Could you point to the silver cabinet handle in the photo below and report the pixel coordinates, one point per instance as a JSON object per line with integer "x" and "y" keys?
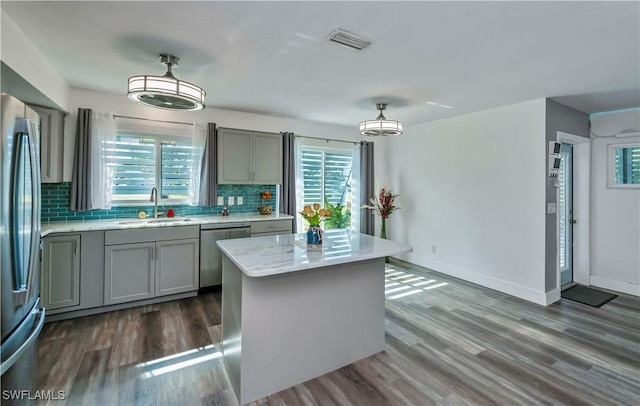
{"x": 152, "y": 249}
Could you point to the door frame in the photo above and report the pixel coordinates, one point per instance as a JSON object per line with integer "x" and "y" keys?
{"x": 569, "y": 213}
{"x": 581, "y": 208}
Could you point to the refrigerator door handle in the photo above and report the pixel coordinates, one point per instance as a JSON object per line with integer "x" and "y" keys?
{"x": 20, "y": 291}
{"x": 22, "y": 288}
{"x": 34, "y": 249}
{"x": 8, "y": 363}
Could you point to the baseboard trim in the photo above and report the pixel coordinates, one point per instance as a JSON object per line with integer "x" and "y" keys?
{"x": 519, "y": 291}
{"x": 553, "y": 296}
{"x": 614, "y": 284}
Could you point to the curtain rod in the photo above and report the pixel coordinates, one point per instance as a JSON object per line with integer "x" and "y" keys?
{"x": 149, "y": 119}
{"x": 327, "y": 140}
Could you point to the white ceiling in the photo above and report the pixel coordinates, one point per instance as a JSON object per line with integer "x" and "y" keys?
{"x": 271, "y": 57}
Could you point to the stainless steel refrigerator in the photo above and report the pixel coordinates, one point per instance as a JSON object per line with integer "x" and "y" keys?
{"x": 22, "y": 317}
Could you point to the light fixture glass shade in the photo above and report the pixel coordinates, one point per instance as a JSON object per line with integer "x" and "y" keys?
{"x": 373, "y": 128}
{"x": 166, "y": 92}
{"x": 380, "y": 126}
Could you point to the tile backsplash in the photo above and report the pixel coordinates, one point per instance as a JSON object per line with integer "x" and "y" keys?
{"x": 55, "y": 204}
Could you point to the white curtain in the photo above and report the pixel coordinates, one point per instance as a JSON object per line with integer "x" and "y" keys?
{"x": 103, "y": 137}
{"x": 198, "y": 141}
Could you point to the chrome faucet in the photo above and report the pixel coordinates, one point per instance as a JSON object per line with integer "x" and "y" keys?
{"x": 154, "y": 199}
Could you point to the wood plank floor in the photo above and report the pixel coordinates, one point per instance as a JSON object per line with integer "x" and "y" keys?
{"x": 448, "y": 342}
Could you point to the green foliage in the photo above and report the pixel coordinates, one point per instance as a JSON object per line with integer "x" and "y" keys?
{"x": 340, "y": 216}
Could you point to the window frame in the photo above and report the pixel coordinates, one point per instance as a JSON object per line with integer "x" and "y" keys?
{"x": 611, "y": 166}
{"x": 159, "y": 138}
{"x": 323, "y": 147}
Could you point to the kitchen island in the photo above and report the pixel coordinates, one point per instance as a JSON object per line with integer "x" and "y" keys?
{"x": 293, "y": 312}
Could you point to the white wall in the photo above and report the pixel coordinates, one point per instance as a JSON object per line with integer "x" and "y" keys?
{"x": 22, "y": 56}
{"x": 474, "y": 186}
{"x": 615, "y": 213}
{"x": 121, "y": 105}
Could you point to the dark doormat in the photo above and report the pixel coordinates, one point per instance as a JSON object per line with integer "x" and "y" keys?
{"x": 588, "y": 296}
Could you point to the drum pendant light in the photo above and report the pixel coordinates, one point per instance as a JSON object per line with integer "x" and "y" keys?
{"x": 166, "y": 92}
{"x": 380, "y": 126}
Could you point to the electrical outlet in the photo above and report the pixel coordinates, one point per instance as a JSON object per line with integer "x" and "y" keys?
{"x": 220, "y": 200}
{"x": 433, "y": 249}
{"x": 239, "y": 200}
{"x": 230, "y": 201}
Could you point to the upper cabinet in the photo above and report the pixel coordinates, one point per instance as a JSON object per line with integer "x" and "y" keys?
{"x": 249, "y": 157}
{"x": 51, "y": 144}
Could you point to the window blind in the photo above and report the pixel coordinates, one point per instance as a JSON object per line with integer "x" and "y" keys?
{"x": 325, "y": 174}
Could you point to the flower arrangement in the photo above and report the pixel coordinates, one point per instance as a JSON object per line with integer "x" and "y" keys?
{"x": 384, "y": 205}
{"x": 316, "y": 215}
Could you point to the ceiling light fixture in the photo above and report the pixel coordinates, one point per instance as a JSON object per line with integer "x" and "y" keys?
{"x": 166, "y": 92}
{"x": 380, "y": 126}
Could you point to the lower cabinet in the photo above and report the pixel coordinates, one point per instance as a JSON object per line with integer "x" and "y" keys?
{"x": 151, "y": 268}
{"x": 130, "y": 271}
{"x": 271, "y": 227}
{"x": 60, "y": 272}
{"x": 177, "y": 266}
{"x": 72, "y": 271}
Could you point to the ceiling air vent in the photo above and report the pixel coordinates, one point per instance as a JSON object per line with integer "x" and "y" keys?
{"x": 348, "y": 39}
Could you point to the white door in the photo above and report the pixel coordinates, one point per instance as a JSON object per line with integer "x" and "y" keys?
{"x": 565, "y": 214}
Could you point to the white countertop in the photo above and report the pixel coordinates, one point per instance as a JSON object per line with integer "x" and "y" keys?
{"x": 273, "y": 255}
{"x": 126, "y": 223}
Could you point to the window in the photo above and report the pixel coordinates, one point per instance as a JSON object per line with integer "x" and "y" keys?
{"x": 326, "y": 177}
{"x": 141, "y": 161}
{"x": 624, "y": 166}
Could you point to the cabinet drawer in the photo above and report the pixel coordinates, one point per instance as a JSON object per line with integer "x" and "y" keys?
{"x": 135, "y": 235}
{"x": 271, "y": 226}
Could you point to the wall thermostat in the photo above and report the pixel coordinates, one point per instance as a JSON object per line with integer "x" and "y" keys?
{"x": 554, "y": 147}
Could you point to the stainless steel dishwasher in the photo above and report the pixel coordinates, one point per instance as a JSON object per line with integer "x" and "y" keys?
{"x": 210, "y": 254}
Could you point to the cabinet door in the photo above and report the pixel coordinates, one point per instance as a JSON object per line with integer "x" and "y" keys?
{"x": 234, "y": 156}
{"x": 61, "y": 272}
{"x": 51, "y": 144}
{"x": 267, "y": 163}
{"x": 129, "y": 272}
{"x": 177, "y": 266}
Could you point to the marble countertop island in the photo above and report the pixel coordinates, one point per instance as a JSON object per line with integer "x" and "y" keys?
{"x": 266, "y": 256}
{"x": 293, "y": 312}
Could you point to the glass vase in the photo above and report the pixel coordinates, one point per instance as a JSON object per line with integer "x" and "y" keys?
{"x": 383, "y": 234}
{"x": 383, "y": 228}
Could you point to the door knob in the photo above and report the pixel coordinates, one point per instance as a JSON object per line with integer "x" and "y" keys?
{"x": 573, "y": 221}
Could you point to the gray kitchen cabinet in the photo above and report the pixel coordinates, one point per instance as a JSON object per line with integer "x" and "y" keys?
{"x": 51, "y": 144}
{"x": 72, "y": 269}
{"x": 147, "y": 263}
{"x": 271, "y": 227}
{"x": 129, "y": 272}
{"x": 249, "y": 157}
{"x": 61, "y": 272}
{"x": 177, "y": 266}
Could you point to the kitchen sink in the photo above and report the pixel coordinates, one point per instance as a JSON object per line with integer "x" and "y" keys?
{"x": 158, "y": 220}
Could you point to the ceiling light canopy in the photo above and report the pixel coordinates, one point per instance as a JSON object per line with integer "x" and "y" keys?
{"x": 380, "y": 126}
{"x": 166, "y": 92}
